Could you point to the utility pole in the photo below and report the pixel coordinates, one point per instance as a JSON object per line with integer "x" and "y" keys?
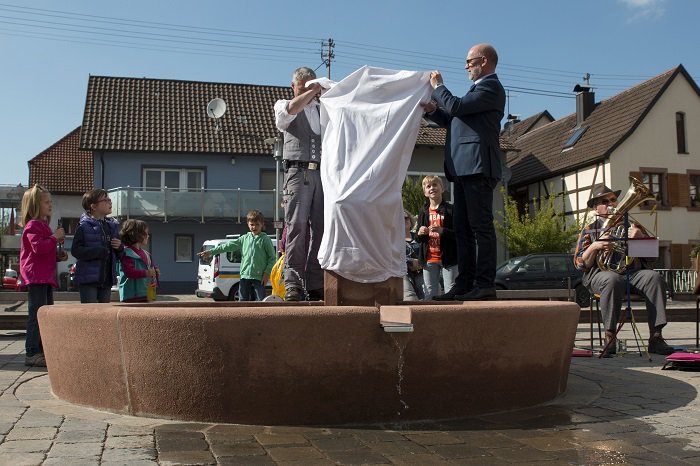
{"x": 327, "y": 56}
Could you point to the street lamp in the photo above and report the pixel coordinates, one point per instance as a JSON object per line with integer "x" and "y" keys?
{"x": 278, "y": 143}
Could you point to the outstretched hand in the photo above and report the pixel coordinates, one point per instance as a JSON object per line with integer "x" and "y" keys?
{"x": 436, "y": 79}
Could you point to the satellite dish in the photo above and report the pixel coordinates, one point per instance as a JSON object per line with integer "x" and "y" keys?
{"x": 216, "y": 108}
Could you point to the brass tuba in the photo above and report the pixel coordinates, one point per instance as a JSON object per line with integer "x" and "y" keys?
{"x": 614, "y": 260}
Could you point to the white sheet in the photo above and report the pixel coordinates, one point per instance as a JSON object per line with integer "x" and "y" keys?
{"x": 369, "y": 121}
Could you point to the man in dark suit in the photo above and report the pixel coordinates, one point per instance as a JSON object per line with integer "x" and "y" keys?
{"x": 473, "y": 163}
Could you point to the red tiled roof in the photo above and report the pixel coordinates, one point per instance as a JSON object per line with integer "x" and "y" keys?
{"x": 161, "y": 115}
{"x": 431, "y": 136}
{"x": 63, "y": 168}
{"x": 435, "y": 136}
{"x": 608, "y": 125}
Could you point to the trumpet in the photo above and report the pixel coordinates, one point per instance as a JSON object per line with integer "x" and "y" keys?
{"x": 615, "y": 259}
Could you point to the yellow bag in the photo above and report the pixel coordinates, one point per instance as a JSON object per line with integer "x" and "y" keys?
{"x": 277, "y": 278}
{"x": 151, "y": 291}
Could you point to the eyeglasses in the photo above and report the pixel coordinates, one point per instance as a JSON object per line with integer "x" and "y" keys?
{"x": 607, "y": 201}
{"x": 105, "y": 200}
{"x": 470, "y": 61}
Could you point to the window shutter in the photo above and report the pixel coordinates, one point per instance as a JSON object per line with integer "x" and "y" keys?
{"x": 677, "y": 256}
{"x": 678, "y": 190}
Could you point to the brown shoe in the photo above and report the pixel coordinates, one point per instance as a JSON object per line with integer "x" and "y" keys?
{"x": 37, "y": 360}
{"x": 611, "y": 345}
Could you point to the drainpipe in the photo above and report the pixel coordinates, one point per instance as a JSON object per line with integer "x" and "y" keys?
{"x": 102, "y": 169}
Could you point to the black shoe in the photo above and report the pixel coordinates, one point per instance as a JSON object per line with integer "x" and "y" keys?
{"x": 316, "y": 295}
{"x": 477, "y": 294}
{"x": 294, "y": 294}
{"x": 449, "y": 296}
{"x": 658, "y": 345}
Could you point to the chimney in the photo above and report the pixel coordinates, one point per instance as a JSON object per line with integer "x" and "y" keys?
{"x": 585, "y": 102}
{"x": 511, "y": 120}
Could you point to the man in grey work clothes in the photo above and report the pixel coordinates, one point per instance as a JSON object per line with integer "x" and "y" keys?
{"x": 299, "y": 120}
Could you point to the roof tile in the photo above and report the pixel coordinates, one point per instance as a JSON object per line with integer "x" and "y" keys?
{"x": 540, "y": 150}
{"x": 142, "y": 114}
{"x": 63, "y": 168}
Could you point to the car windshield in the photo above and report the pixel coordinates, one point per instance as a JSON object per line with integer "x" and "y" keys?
{"x": 11, "y": 273}
{"x": 509, "y": 265}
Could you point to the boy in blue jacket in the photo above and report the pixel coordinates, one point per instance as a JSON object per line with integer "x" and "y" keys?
{"x": 96, "y": 246}
{"x": 257, "y": 257}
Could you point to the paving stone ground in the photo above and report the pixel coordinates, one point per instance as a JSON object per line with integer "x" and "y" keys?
{"x": 623, "y": 410}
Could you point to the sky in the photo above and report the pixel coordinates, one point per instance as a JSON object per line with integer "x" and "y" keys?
{"x": 49, "y": 49}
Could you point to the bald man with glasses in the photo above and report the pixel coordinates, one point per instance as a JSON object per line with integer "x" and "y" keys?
{"x": 473, "y": 163}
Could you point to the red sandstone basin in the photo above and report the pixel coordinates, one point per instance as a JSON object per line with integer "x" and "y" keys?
{"x": 305, "y": 364}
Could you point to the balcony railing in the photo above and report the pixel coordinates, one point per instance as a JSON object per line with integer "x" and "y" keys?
{"x": 206, "y": 204}
{"x": 678, "y": 280}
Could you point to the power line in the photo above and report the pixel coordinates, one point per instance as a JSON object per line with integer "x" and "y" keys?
{"x": 174, "y": 38}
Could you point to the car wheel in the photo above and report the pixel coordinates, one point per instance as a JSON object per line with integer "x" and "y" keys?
{"x": 583, "y": 296}
{"x": 233, "y": 293}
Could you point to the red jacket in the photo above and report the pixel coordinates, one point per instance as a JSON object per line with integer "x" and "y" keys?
{"x": 37, "y": 256}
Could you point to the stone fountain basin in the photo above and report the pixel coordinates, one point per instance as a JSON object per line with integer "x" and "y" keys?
{"x": 213, "y": 362}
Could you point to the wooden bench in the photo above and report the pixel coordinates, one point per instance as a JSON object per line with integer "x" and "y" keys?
{"x": 550, "y": 293}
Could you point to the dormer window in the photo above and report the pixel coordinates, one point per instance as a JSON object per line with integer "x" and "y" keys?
{"x": 574, "y": 138}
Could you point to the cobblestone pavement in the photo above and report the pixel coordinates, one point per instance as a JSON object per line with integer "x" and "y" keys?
{"x": 623, "y": 410}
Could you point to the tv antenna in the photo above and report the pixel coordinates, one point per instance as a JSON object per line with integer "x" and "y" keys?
{"x": 216, "y": 109}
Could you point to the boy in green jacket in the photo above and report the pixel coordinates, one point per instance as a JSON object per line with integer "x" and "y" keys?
{"x": 257, "y": 257}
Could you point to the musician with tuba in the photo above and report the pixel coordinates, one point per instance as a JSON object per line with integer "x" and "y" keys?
{"x": 605, "y": 273}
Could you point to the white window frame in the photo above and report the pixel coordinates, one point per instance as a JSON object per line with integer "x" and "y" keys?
{"x": 183, "y": 174}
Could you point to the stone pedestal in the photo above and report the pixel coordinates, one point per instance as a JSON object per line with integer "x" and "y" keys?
{"x": 339, "y": 291}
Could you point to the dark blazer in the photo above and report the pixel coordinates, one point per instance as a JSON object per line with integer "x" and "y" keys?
{"x": 473, "y": 124}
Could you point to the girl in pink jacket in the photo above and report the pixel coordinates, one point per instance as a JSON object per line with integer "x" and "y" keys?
{"x": 37, "y": 264}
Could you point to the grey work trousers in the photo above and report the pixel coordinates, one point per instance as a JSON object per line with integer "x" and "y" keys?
{"x": 612, "y": 288}
{"x": 303, "y": 214}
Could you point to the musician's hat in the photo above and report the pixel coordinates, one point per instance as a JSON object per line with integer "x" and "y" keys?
{"x": 600, "y": 190}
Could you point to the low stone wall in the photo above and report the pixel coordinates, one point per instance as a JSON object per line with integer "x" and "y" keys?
{"x": 307, "y": 364}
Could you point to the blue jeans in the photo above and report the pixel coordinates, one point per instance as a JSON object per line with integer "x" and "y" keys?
{"x": 37, "y": 296}
{"x": 95, "y": 294}
{"x": 431, "y": 278}
{"x": 248, "y": 289}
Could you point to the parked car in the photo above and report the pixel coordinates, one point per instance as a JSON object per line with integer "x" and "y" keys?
{"x": 542, "y": 271}
{"x": 11, "y": 280}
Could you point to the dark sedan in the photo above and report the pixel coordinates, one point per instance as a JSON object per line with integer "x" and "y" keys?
{"x": 542, "y": 271}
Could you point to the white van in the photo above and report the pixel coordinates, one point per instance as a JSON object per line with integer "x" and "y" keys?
{"x": 218, "y": 277}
